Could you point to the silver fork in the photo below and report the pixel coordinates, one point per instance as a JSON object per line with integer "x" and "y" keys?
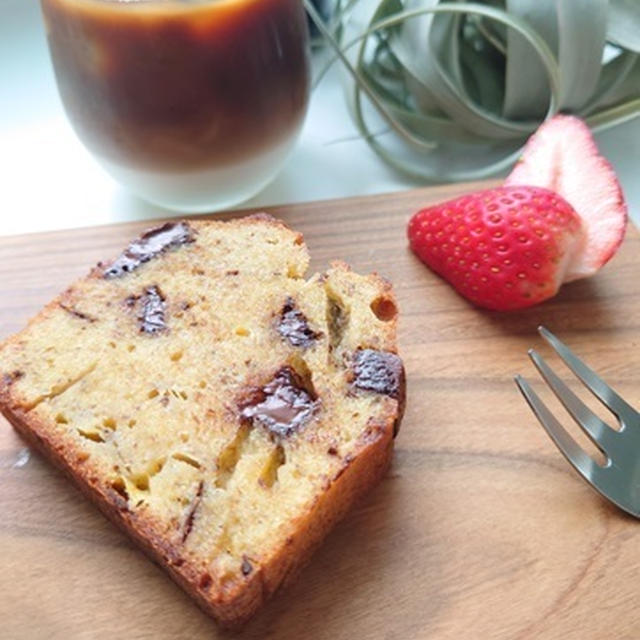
{"x": 618, "y": 479}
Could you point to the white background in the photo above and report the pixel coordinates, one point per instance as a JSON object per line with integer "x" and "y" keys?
{"x": 48, "y": 181}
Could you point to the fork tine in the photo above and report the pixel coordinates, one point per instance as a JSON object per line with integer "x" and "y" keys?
{"x": 593, "y": 382}
{"x": 580, "y": 461}
{"x": 599, "y": 431}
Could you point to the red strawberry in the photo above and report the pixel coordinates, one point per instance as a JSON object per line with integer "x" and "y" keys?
{"x": 503, "y": 248}
{"x": 562, "y": 156}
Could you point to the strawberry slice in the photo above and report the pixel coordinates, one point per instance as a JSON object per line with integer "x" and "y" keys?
{"x": 504, "y": 248}
{"x": 562, "y": 156}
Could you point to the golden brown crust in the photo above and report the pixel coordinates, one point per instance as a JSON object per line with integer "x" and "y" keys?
{"x": 232, "y": 609}
{"x": 231, "y": 602}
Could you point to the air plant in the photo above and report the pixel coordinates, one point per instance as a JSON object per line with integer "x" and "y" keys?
{"x": 458, "y": 87}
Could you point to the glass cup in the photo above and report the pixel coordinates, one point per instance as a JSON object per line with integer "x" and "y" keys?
{"x": 192, "y": 104}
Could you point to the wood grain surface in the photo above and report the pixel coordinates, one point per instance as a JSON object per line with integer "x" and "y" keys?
{"x": 480, "y": 530}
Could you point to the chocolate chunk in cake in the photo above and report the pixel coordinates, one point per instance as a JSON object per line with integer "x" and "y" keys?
{"x": 283, "y": 405}
{"x": 378, "y": 371}
{"x": 294, "y": 327}
{"x": 149, "y": 245}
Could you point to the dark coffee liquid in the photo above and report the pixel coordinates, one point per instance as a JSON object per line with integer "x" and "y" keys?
{"x": 180, "y": 85}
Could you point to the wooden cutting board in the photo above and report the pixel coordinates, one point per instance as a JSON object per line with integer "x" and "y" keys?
{"x": 480, "y": 530}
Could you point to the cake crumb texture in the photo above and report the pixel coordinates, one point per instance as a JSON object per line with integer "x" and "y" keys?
{"x": 221, "y": 408}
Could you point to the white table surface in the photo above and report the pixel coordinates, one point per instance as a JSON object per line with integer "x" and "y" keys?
{"x": 49, "y": 181}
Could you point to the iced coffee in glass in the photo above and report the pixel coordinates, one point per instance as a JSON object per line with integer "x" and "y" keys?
{"x": 192, "y": 104}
